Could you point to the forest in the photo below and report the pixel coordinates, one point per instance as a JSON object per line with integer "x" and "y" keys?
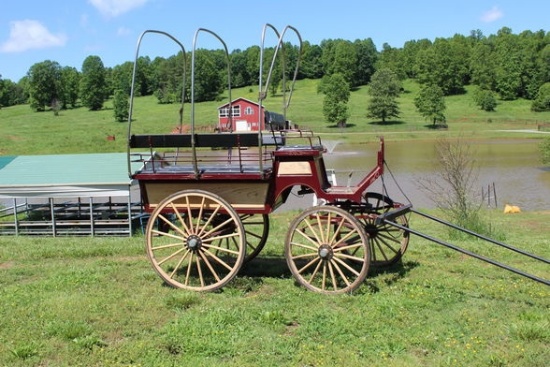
{"x": 508, "y": 65}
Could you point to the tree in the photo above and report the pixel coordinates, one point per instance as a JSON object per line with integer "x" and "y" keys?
{"x": 483, "y": 66}
{"x": 335, "y": 103}
{"x": 384, "y": 89}
{"x": 70, "y": 80}
{"x": 366, "y": 61}
{"x": 391, "y": 58}
{"x": 121, "y": 105}
{"x": 444, "y": 64}
{"x": 311, "y": 66}
{"x": 208, "y": 79}
{"x": 340, "y": 57}
{"x": 542, "y": 102}
{"x": 92, "y": 83}
{"x": 44, "y": 80}
{"x": 431, "y": 104}
{"x": 485, "y": 99}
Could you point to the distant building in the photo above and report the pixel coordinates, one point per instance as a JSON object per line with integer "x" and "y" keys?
{"x": 246, "y": 116}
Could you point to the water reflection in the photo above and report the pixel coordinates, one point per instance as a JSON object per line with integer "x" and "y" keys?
{"x": 513, "y": 165}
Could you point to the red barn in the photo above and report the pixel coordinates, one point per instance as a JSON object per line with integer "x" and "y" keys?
{"x": 246, "y": 116}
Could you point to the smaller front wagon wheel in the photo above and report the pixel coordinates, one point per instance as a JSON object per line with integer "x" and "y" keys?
{"x": 327, "y": 250}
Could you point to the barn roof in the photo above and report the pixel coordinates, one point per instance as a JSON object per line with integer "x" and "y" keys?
{"x": 67, "y": 175}
{"x": 239, "y": 99}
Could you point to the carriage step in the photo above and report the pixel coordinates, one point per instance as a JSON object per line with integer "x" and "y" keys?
{"x": 392, "y": 214}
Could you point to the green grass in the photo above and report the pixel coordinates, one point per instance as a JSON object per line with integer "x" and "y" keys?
{"x": 79, "y": 130}
{"x": 98, "y": 302}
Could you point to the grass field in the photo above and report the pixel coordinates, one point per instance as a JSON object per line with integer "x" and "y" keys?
{"x": 97, "y": 302}
{"x": 82, "y": 301}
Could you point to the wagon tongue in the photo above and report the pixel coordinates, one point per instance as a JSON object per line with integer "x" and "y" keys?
{"x": 392, "y": 214}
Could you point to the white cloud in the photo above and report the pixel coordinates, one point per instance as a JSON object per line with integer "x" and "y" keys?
{"x": 31, "y": 34}
{"x": 114, "y": 8}
{"x": 123, "y": 31}
{"x": 491, "y": 15}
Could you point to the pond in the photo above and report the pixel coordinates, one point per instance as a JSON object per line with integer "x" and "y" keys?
{"x": 513, "y": 166}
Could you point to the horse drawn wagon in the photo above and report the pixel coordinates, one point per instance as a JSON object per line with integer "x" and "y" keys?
{"x": 210, "y": 195}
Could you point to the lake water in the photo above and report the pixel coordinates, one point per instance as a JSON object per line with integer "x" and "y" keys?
{"x": 513, "y": 165}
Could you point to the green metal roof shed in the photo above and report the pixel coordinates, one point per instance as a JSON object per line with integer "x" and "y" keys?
{"x": 68, "y": 175}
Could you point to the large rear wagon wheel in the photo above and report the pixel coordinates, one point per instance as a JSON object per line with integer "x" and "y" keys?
{"x": 195, "y": 240}
{"x": 388, "y": 243}
{"x": 256, "y": 227}
{"x": 327, "y": 250}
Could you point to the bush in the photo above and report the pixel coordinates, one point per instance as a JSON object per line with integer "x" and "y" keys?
{"x": 485, "y": 99}
{"x": 542, "y": 101}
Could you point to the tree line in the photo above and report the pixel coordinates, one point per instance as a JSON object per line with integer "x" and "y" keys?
{"x": 504, "y": 65}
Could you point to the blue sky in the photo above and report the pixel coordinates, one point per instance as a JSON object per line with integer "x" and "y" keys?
{"x": 67, "y": 31}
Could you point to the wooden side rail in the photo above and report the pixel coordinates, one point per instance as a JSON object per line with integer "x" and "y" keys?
{"x": 214, "y": 140}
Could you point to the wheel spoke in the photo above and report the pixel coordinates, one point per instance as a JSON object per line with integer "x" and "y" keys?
{"x": 170, "y": 256}
{"x": 222, "y": 249}
{"x": 178, "y": 265}
{"x": 305, "y": 267}
{"x": 336, "y": 233}
{"x": 210, "y": 267}
{"x": 181, "y": 220}
{"x": 341, "y": 273}
{"x": 301, "y": 245}
{"x": 313, "y": 232}
{"x": 332, "y": 276}
{"x": 170, "y": 245}
{"x": 221, "y": 237}
{"x": 199, "y": 269}
{"x": 312, "y": 240}
{"x": 174, "y": 227}
{"x": 217, "y": 228}
{"x": 314, "y": 273}
{"x": 189, "y": 266}
{"x": 346, "y": 266}
{"x": 348, "y": 235}
{"x": 324, "y": 278}
{"x": 217, "y": 259}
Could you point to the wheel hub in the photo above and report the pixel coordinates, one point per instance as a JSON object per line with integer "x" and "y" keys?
{"x": 194, "y": 242}
{"x": 325, "y": 252}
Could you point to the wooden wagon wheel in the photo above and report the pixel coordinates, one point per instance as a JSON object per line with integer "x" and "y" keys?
{"x": 256, "y": 228}
{"x": 327, "y": 250}
{"x": 388, "y": 243}
{"x": 195, "y": 240}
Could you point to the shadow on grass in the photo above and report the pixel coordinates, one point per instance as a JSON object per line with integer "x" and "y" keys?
{"x": 348, "y": 125}
{"x": 436, "y": 127}
{"x": 387, "y": 123}
{"x": 252, "y": 273}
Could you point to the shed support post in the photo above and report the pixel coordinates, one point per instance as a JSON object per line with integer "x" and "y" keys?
{"x": 16, "y": 220}
{"x": 129, "y": 213}
{"x": 91, "y": 200}
{"x": 52, "y": 213}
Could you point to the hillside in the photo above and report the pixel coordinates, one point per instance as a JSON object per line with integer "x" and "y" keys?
{"x": 81, "y": 131}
